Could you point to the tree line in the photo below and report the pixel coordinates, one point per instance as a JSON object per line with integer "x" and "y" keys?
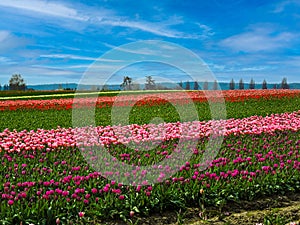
{"x": 241, "y": 85}
{"x": 151, "y": 85}
{"x": 16, "y": 82}
{"x": 284, "y": 84}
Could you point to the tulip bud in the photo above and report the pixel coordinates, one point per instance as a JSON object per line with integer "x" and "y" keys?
{"x": 131, "y": 213}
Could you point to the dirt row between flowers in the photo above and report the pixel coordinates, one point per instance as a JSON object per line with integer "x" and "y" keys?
{"x": 277, "y": 210}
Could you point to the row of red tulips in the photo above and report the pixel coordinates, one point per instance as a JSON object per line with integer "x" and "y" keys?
{"x": 146, "y": 99}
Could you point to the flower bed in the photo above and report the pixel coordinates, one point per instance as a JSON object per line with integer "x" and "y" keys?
{"x": 45, "y": 176}
{"x": 147, "y": 99}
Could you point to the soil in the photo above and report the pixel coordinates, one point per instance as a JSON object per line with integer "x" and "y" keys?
{"x": 275, "y": 210}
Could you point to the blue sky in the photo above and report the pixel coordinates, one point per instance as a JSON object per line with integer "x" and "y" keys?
{"x": 57, "y": 41}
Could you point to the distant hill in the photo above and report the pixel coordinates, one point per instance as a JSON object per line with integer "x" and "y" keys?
{"x": 51, "y": 87}
{"x": 223, "y": 86}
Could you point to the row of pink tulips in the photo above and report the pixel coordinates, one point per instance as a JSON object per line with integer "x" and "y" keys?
{"x": 11, "y": 141}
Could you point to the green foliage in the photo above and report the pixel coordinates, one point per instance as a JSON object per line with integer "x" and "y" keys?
{"x": 50, "y": 119}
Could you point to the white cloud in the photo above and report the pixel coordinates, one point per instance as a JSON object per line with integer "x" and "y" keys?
{"x": 280, "y": 7}
{"x": 44, "y": 7}
{"x": 100, "y": 17}
{"x": 3, "y": 35}
{"x": 255, "y": 68}
{"x": 9, "y": 42}
{"x": 6, "y": 61}
{"x": 258, "y": 39}
{"x": 68, "y": 56}
{"x": 139, "y": 51}
{"x": 206, "y": 30}
{"x": 144, "y": 26}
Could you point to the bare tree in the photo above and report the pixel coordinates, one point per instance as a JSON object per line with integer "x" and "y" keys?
{"x": 150, "y": 83}
{"x": 126, "y": 85}
{"x": 16, "y": 82}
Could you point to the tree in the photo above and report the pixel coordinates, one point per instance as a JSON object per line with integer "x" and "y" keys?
{"x": 264, "y": 85}
{"x": 16, "y": 82}
{"x": 215, "y": 85}
{"x": 0, "y": 87}
{"x": 284, "y": 84}
{"x": 181, "y": 85}
{"x": 241, "y": 84}
{"x": 187, "y": 86}
{"x": 126, "y": 85}
{"x": 150, "y": 83}
{"x": 5, "y": 87}
{"x": 231, "y": 84}
{"x": 196, "y": 85}
{"x": 205, "y": 85}
{"x": 252, "y": 84}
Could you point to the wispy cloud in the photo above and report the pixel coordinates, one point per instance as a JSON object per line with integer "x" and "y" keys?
{"x": 4, "y": 35}
{"x": 280, "y": 7}
{"x": 6, "y": 61}
{"x": 259, "y": 39}
{"x": 9, "y": 42}
{"x": 206, "y": 30}
{"x": 44, "y": 7}
{"x": 256, "y": 68}
{"x": 154, "y": 28}
{"x": 68, "y": 56}
{"x": 100, "y": 17}
{"x": 138, "y": 51}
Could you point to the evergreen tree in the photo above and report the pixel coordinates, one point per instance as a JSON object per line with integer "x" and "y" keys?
{"x": 196, "y": 85}
{"x": 231, "y": 84}
{"x": 252, "y": 84}
{"x": 205, "y": 85}
{"x": 284, "y": 84}
{"x": 181, "y": 85}
{"x": 215, "y": 85}
{"x": 187, "y": 86}
{"x": 241, "y": 84}
{"x": 264, "y": 85}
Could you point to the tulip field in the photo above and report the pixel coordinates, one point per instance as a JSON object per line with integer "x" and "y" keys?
{"x": 48, "y": 173}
